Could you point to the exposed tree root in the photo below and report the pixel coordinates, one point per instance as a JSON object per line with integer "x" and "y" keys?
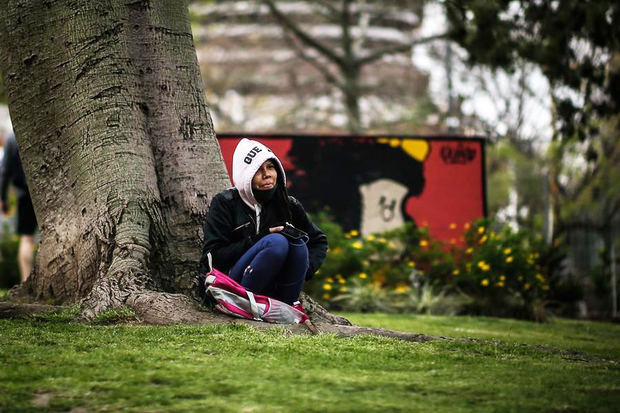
{"x": 11, "y": 310}
{"x": 162, "y": 308}
{"x": 109, "y": 293}
{"x": 318, "y": 314}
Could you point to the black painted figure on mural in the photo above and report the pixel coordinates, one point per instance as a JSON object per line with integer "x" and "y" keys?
{"x": 364, "y": 183}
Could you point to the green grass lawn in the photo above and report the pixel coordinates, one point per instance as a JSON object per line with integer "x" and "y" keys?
{"x": 53, "y": 364}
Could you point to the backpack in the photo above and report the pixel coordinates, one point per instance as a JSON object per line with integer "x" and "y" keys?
{"x": 229, "y": 297}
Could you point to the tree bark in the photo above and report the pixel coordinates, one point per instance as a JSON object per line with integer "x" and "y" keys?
{"x": 117, "y": 144}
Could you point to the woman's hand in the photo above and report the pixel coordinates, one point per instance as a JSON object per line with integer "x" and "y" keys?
{"x": 276, "y": 229}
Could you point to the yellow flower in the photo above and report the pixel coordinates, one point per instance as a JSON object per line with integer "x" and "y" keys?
{"x": 366, "y": 263}
{"x": 341, "y": 280}
{"x": 357, "y": 245}
{"x": 480, "y": 230}
{"x": 411, "y": 264}
{"x": 382, "y": 240}
{"x": 502, "y": 278}
{"x": 469, "y": 250}
{"x": 509, "y": 259}
{"x": 343, "y": 289}
{"x": 527, "y": 286}
{"x": 326, "y": 296}
{"x": 520, "y": 278}
{"x": 467, "y": 225}
{"x": 370, "y": 237}
{"x": 483, "y": 239}
{"x": 391, "y": 245}
{"x": 484, "y": 282}
{"x": 507, "y": 251}
{"x": 456, "y": 272}
{"x": 484, "y": 266}
{"x": 540, "y": 278}
{"x": 354, "y": 233}
{"x": 329, "y": 280}
{"x": 423, "y": 243}
{"x": 401, "y": 288}
{"x": 327, "y": 287}
{"x": 337, "y": 250}
{"x": 500, "y": 284}
{"x": 363, "y": 275}
{"x": 347, "y": 236}
{"x": 545, "y": 287}
{"x": 452, "y": 225}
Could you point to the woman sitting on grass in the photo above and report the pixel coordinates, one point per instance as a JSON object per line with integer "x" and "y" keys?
{"x": 252, "y": 230}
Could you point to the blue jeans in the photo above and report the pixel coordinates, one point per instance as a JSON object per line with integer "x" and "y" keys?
{"x": 274, "y": 266}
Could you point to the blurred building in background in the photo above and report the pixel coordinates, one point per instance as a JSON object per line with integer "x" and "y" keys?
{"x": 258, "y": 77}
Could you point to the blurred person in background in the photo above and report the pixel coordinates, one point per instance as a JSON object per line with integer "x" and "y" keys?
{"x": 12, "y": 173}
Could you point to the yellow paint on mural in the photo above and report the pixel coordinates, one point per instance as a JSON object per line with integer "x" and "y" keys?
{"x": 418, "y": 149}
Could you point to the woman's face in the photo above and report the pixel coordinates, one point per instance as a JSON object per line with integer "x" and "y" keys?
{"x": 266, "y": 176}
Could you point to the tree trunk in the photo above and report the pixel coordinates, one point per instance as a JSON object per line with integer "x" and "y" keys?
{"x": 119, "y": 150}
{"x": 117, "y": 143}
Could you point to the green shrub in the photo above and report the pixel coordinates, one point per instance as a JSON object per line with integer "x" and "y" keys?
{"x": 499, "y": 274}
{"x": 9, "y": 271}
{"x": 430, "y": 300}
{"x": 363, "y": 297}
{"x": 505, "y": 271}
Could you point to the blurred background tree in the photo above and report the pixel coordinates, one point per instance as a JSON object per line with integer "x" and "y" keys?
{"x": 576, "y": 45}
{"x": 314, "y": 65}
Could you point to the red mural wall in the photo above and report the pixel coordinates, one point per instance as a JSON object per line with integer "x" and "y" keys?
{"x": 376, "y": 183}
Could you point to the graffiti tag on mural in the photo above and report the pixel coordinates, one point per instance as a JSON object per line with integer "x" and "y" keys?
{"x": 457, "y": 154}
